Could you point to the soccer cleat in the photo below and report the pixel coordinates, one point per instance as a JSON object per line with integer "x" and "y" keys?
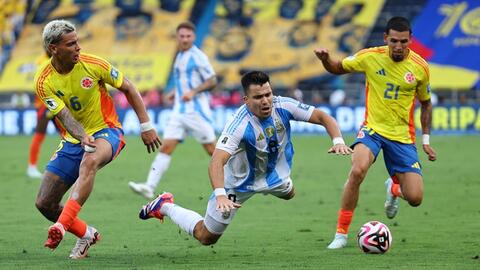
{"x": 152, "y": 209}
{"x": 142, "y": 189}
{"x": 33, "y": 172}
{"x": 80, "y": 250}
{"x": 392, "y": 203}
{"x": 340, "y": 241}
{"x": 55, "y": 236}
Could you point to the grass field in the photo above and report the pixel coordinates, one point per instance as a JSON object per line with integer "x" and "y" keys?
{"x": 267, "y": 233}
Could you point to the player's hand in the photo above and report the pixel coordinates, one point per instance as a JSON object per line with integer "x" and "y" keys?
{"x": 224, "y": 205}
{"x": 170, "y": 96}
{"x": 321, "y": 53}
{"x": 188, "y": 96}
{"x": 88, "y": 143}
{"x": 151, "y": 140}
{"x": 340, "y": 149}
{"x": 432, "y": 156}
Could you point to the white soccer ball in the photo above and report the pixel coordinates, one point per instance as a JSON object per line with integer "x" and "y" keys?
{"x": 374, "y": 237}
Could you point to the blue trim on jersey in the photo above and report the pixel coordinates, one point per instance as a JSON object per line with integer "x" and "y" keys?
{"x": 241, "y": 113}
{"x": 198, "y": 108}
{"x": 285, "y": 115}
{"x": 178, "y": 86}
{"x": 273, "y": 179}
{"x": 272, "y": 150}
{"x": 191, "y": 65}
{"x": 249, "y": 141}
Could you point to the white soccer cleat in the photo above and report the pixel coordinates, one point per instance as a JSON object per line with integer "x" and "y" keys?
{"x": 33, "y": 172}
{"x": 142, "y": 189}
{"x": 392, "y": 203}
{"x": 340, "y": 241}
{"x": 80, "y": 250}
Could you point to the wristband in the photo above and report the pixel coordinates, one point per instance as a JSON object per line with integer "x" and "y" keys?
{"x": 146, "y": 126}
{"x": 426, "y": 139}
{"x": 338, "y": 140}
{"x": 219, "y": 192}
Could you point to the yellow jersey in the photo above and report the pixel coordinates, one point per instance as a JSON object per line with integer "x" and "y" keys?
{"x": 390, "y": 90}
{"x": 83, "y": 91}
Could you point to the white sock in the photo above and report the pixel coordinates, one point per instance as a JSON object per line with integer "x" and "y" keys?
{"x": 159, "y": 165}
{"x": 87, "y": 232}
{"x": 186, "y": 219}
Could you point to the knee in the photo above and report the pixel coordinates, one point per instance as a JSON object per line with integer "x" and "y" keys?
{"x": 47, "y": 209}
{"x": 168, "y": 147}
{"x": 415, "y": 200}
{"x": 357, "y": 174}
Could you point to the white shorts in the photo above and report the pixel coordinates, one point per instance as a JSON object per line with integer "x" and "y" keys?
{"x": 217, "y": 223}
{"x": 180, "y": 124}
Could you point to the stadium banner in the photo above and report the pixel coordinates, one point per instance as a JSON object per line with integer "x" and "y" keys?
{"x": 446, "y": 120}
{"x": 140, "y": 44}
{"x": 447, "y": 35}
{"x": 279, "y": 37}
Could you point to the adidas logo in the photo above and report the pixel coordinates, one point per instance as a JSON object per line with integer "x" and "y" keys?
{"x": 416, "y": 165}
{"x": 381, "y": 72}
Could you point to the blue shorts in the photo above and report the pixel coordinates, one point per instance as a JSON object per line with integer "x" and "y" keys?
{"x": 399, "y": 157}
{"x": 65, "y": 162}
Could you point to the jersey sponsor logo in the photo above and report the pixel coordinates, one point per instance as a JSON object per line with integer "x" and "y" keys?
{"x": 114, "y": 73}
{"x": 360, "y": 134}
{"x": 86, "y": 83}
{"x": 51, "y": 103}
{"x": 224, "y": 140}
{"x": 381, "y": 72}
{"x": 409, "y": 77}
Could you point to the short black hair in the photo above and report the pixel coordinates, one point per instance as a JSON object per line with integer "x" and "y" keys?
{"x": 399, "y": 24}
{"x": 254, "y": 77}
{"x": 188, "y": 25}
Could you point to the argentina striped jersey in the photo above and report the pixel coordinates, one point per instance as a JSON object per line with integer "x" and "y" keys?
{"x": 261, "y": 149}
{"x": 192, "y": 68}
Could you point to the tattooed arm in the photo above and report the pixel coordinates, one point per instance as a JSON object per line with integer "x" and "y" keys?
{"x": 75, "y": 128}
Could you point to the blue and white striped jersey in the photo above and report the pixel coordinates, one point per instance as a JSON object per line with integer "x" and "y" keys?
{"x": 261, "y": 150}
{"x": 192, "y": 68}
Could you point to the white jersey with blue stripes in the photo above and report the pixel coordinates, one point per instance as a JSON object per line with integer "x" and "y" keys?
{"x": 192, "y": 68}
{"x": 261, "y": 149}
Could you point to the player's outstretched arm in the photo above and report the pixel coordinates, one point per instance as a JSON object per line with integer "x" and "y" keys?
{"x": 321, "y": 118}
{"x": 426, "y": 121}
{"x": 331, "y": 65}
{"x": 76, "y": 130}
{"x": 149, "y": 134}
{"x": 216, "y": 174}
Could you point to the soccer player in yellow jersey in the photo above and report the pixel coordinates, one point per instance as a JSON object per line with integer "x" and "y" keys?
{"x": 395, "y": 77}
{"x": 72, "y": 86}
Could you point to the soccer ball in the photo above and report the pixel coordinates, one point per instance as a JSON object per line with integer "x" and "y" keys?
{"x": 374, "y": 237}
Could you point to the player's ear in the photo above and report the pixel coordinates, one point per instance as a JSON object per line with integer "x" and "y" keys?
{"x": 385, "y": 36}
{"x": 52, "y": 49}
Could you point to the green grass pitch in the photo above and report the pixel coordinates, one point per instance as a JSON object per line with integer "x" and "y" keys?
{"x": 267, "y": 233}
